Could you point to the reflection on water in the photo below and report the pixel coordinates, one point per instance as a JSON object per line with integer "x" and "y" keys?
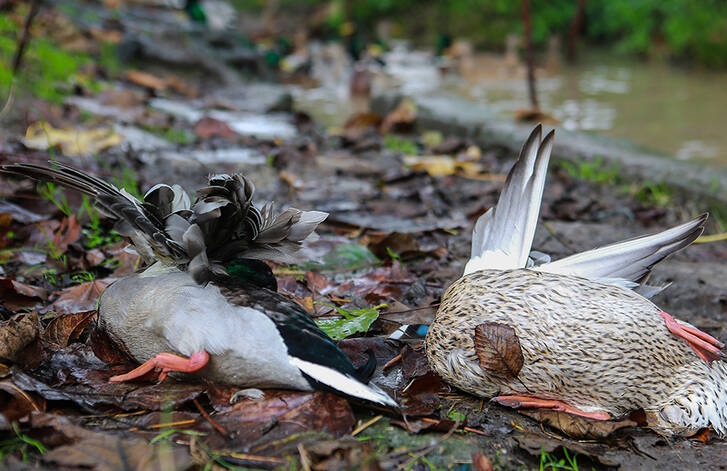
{"x": 675, "y": 111}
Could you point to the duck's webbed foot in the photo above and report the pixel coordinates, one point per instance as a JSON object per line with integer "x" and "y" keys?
{"x": 166, "y": 363}
{"x": 518, "y": 402}
{"x": 704, "y": 345}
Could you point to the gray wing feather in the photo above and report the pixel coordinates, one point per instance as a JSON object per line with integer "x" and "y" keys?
{"x": 630, "y": 260}
{"x": 503, "y": 236}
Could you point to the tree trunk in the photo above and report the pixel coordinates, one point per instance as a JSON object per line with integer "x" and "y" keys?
{"x": 576, "y": 27}
{"x": 529, "y": 55}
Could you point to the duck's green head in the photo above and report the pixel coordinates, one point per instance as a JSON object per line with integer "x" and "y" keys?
{"x": 248, "y": 271}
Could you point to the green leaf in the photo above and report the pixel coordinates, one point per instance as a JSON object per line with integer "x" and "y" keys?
{"x": 345, "y": 257}
{"x": 352, "y": 321}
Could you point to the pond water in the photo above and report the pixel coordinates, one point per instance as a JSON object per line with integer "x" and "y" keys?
{"x": 678, "y": 112}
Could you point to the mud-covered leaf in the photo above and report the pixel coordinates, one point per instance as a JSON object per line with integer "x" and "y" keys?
{"x": 576, "y": 426}
{"x": 280, "y": 414}
{"x": 16, "y": 334}
{"x": 111, "y": 452}
{"x": 536, "y": 445}
{"x": 332, "y": 455}
{"x": 414, "y": 362}
{"x": 75, "y": 374}
{"x": 352, "y": 321}
{"x": 420, "y": 397}
{"x": 498, "y": 350}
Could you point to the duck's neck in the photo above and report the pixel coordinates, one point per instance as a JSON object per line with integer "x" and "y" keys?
{"x": 250, "y": 272}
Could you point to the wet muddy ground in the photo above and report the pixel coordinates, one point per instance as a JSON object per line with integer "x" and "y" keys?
{"x": 402, "y": 200}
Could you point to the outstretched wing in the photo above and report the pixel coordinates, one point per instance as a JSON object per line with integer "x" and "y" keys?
{"x": 628, "y": 263}
{"x": 502, "y": 237}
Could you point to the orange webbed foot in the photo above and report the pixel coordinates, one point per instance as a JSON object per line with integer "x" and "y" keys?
{"x": 166, "y": 363}
{"x": 518, "y": 402}
{"x": 704, "y": 345}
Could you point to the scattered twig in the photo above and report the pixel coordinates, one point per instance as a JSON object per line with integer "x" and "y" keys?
{"x": 705, "y": 239}
{"x": 557, "y": 237}
{"x": 366, "y": 425}
{"x": 207, "y": 417}
{"x": 165, "y": 424}
{"x": 391, "y": 362}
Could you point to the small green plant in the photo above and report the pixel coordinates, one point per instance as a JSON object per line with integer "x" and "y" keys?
{"x": 398, "y": 144}
{"x": 393, "y": 255}
{"x": 352, "y": 321}
{"x": 551, "y": 462}
{"x": 456, "y": 415}
{"x": 95, "y": 234}
{"x": 344, "y": 257}
{"x": 53, "y": 193}
{"x": 171, "y": 134}
{"x": 21, "y": 446}
{"x": 592, "y": 170}
{"x": 51, "y": 275}
{"x": 83, "y": 277}
{"x": 654, "y": 193}
{"x": 129, "y": 181}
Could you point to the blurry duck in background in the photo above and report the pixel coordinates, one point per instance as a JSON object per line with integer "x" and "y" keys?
{"x": 578, "y": 334}
{"x": 208, "y": 305}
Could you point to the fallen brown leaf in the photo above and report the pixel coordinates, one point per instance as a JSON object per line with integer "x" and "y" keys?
{"x": 15, "y": 295}
{"x": 498, "y": 350}
{"x": 43, "y": 136}
{"x": 63, "y": 329}
{"x": 60, "y": 235}
{"x": 17, "y": 333}
{"x": 280, "y": 414}
{"x": 401, "y": 118}
{"x": 481, "y": 462}
{"x": 382, "y": 243}
{"x": 578, "y": 427}
{"x": 339, "y": 454}
{"x": 110, "y": 452}
{"x": 79, "y": 298}
{"x": 75, "y": 374}
{"x": 207, "y": 128}
{"x": 22, "y": 403}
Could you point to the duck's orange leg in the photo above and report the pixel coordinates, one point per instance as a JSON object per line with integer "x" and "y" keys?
{"x": 166, "y": 363}
{"x": 704, "y": 345}
{"x": 518, "y": 402}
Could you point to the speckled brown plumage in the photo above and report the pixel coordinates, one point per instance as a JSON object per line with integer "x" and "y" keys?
{"x": 589, "y": 337}
{"x": 594, "y": 346}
